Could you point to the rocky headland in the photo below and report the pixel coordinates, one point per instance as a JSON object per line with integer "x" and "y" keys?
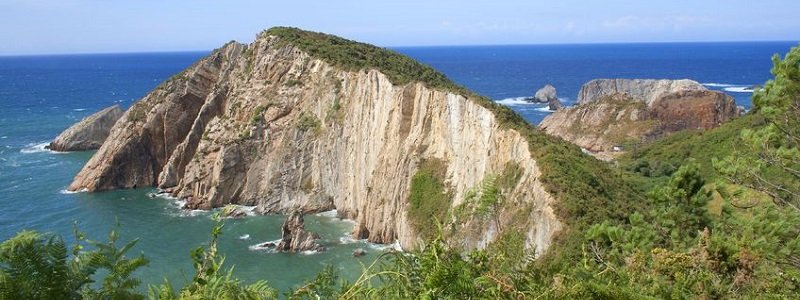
{"x": 306, "y": 121}
{"x": 89, "y": 133}
{"x": 614, "y": 112}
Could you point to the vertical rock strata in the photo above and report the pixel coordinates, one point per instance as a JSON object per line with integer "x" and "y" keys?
{"x": 267, "y": 124}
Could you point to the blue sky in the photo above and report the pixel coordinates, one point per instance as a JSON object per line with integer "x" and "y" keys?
{"x": 84, "y": 26}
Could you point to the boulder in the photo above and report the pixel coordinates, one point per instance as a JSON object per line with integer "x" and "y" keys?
{"x": 233, "y": 212}
{"x": 546, "y": 94}
{"x": 295, "y": 238}
{"x": 89, "y": 133}
{"x": 359, "y": 252}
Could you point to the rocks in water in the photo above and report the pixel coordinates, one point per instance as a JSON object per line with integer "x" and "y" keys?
{"x": 359, "y": 252}
{"x": 89, "y": 133}
{"x": 611, "y": 112}
{"x": 295, "y": 238}
{"x": 554, "y": 104}
{"x": 546, "y": 94}
{"x": 233, "y": 211}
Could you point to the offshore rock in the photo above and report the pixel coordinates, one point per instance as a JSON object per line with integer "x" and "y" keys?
{"x": 89, "y": 133}
{"x": 546, "y": 94}
{"x": 295, "y": 238}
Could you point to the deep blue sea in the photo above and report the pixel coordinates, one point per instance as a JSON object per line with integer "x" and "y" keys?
{"x": 42, "y": 95}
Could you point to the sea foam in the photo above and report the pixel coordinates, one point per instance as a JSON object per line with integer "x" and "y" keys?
{"x": 36, "y": 148}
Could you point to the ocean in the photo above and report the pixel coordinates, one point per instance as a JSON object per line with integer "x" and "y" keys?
{"x": 42, "y": 95}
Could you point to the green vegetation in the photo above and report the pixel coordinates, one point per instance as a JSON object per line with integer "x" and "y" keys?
{"x": 294, "y": 82}
{"x": 662, "y": 157}
{"x": 355, "y": 56}
{"x": 429, "y": 197}
{"x": 258, "y": 114}
{"x": 38, "y": 266}
{"x": 308, "y": 121}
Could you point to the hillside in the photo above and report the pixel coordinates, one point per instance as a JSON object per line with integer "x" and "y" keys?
{"x": 310, "y": 121}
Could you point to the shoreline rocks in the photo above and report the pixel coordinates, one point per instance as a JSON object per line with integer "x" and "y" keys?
{"x": 89, "y": 133}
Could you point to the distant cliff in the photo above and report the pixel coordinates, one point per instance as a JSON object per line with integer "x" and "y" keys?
{"x": 89, "y": 133}
{"x": 612, "y": 112}
{"x": 302, "y": 120}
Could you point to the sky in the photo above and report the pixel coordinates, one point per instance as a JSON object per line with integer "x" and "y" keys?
{"x": 94, "y": 26}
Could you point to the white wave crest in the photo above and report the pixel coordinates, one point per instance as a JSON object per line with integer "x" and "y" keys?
{"x": 739, "y": 89}
{"x": 387, "y": 247}
{"x": 329, "y": 214}
{"x": 260, "y": 246}
{"x": 244, "y": 237}
{"x": 36, "y": 148}
{"x": 714, "y": 84}
{"x": 79, "y": 109}
{"x": 67, "y": 192}
{"x": 515, "y": 101}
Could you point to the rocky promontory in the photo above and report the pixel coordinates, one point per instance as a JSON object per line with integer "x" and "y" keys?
{"x": 89, "y": 133}
{"x": 614, "y": 112}
{"x": 307, "y": 121}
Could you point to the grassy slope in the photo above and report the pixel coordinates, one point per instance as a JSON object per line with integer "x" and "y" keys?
{"x": 660, "y": 157}
{"x": 588, "y": 190}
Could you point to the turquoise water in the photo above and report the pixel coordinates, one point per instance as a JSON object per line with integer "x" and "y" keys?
{"x": 42, "y": 95}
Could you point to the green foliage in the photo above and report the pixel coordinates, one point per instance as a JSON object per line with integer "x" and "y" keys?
{"x": 355, "y": 56}
{"x": 663, "y": 156}
{"x": 258, "y": 114}
{"x": 37, "y": 266}
{"x": 308, "y": 121}
{"x": 294, "y": 82}
{"x": 118, "y": 284}
{"x": 429, "y": 197}
{"x": 768, "y": 159}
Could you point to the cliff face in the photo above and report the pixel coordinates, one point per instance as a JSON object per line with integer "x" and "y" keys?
{"x": 89, "y": 133}
{"x": 267, "y": 124}
{"x": 615, "y": 111}
{"x": 646, "y": 90}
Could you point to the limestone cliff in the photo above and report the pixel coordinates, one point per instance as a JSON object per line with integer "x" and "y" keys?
{"x": 617, "y": 111}
{"x": 89, "y": 133}
{"x": 646, "y": 90}
{"x": 271, "y": 124}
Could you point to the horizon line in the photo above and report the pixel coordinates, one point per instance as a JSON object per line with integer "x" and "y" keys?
{"x": 407, "y": 46}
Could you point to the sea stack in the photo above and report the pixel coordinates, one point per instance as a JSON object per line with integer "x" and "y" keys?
{"x": 295, "y": 238}
{"x": 546, "y": 94}
{"x": 89, "y": 133}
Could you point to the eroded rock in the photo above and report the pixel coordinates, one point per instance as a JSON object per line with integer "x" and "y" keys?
{"x": 295, "y": 238}
{"x": 89, "y": 133}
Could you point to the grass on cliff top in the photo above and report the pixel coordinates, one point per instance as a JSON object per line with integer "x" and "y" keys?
{"x": 589, "y": 191}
